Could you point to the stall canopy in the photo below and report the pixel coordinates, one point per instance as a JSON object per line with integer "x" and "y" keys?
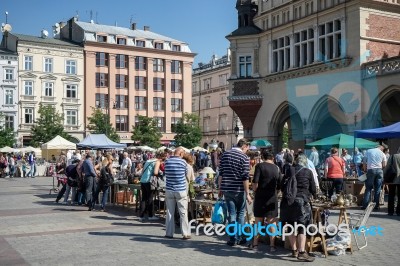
{"x": 99, "y": 141}
{"x": 59, "y": 143}
{"x": 342, "y": 141}
{"x": 389, "y": 132}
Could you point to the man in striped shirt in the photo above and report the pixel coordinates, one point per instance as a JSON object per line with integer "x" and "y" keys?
{"x": 176, "y": 193}
{"x": 233, "y": 183}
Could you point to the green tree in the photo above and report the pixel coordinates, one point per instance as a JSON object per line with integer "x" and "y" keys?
{"x": 147, "y": 132}
{"x": 48, "y": 125}
{"x": 99, "y": 123}
{"x": 6, "y": 134}
{"x": 188, "y": 131}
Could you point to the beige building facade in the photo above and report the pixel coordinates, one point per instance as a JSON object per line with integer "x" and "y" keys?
{"x": 306, "y": 63}
{"x": 50, "y": 72}
{"x": 210, "y": 102}
{"x": 131, "y": 72}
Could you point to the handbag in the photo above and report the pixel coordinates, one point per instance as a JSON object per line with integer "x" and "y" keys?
{"x": 220, "y": 212}
{"x": 153, "y": 182}
{"x": 390, "y": 171}
{"x": 362, "y": 177}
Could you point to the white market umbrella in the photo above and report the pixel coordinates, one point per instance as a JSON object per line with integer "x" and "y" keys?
{"x": 145, "y": 148}
{"x": 198, "y": 148}
{"x": 7, "y": 149}
{"x": 162, "y": 148}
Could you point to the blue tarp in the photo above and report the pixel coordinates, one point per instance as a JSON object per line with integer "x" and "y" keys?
{"x": 99, "y": 141}
{"x": 392, "y": 131}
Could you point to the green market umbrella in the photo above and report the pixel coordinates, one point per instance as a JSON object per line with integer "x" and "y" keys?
{"x": 342, "y": 141}
{"x": 259, "y": 143}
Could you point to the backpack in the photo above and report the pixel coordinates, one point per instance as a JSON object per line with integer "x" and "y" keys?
{"x": 290, "y": 185}
{"x": 72, "y": 174}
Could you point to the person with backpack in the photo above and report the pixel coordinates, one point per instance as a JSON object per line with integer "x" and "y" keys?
{"x": 72, "y": 181}
{"x": 297, "y": 188}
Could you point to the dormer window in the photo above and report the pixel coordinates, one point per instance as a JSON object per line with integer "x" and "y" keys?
{"x": 159, "y": 45}
{"x": 121, "y": 41}
{"x": 176, "y": 48}
{"x": 140, "y": 44}
{"x": 101, "y": 38}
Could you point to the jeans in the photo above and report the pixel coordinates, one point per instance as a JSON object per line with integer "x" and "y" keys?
{"x": 236, "y": 203}
{"x": 61, "y": 192}
{"x": 146, "y": 203}
{"x": 337, "y": 185}
{"x": 90, "y": 191}
{"x": 359, "y": 169}
{"x": 105, "y": 190}
{"x": 393, "y": 191}
{"x": 31, "y": 171}
{"x": 181, "y": 199}
{"x": 374, "y": 181}
{"x": 68, "y": 189}
{"x": 12, "y": 170}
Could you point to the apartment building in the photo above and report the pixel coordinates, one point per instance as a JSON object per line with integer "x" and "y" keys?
{"x": 9, "y": 89}
{"x": 210, "y": 93}
{"x": 131, "y": 72}
{"x": 322, "y": 66}
{"x": 50, "y": 72}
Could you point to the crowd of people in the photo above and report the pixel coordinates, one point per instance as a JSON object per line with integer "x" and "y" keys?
{"x": 18, "y": 164}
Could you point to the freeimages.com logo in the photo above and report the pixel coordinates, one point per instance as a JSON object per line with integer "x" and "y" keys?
{"x": 251, "y": 230}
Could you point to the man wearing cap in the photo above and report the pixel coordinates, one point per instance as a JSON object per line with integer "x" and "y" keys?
{"x": 233, "y": 183}
{"x": 374, "y": 164}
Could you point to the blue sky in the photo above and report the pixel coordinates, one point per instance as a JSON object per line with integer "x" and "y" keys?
{"x": 202, "y": 23}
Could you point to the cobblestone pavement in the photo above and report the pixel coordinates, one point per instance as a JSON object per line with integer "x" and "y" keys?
{"x": 36, "y": 231}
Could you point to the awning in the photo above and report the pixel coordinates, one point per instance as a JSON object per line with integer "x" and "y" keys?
{"x": 129, "y": 141}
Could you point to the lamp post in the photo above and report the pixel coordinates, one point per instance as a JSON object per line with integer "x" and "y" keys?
{"x": 236, "y": 131}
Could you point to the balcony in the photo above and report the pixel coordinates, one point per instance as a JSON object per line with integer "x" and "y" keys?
{"x": 70, "y": 101}
{"x": 25, "y": 126}
{"x": 48, "y": 99}
{"x": 381, "y": 67}
{"x": 72, "y": 127}
{"x": 28, "y": 98}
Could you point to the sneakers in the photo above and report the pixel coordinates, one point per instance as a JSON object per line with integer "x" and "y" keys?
{"x": 305, "y": 257}
{"x": 294, "y": 254}
{"x": 141, "y": 219}
{"x": 153, "y": 218}
{"x": 186, "y": 237}
{"x": 64, "y": 203}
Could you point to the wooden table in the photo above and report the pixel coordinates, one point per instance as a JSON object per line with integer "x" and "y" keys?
{"x": 203, "y": 203}
{"x": 343, "y": 218}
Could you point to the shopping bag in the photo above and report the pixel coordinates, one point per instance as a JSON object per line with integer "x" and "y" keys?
{"x": 220, "y": 214}
{"x": 362, "y": 178}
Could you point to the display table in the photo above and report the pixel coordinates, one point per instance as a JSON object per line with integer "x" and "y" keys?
{"x": 207, "y": 207}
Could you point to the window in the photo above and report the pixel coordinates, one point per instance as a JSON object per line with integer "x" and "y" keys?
{"x": 140, "y": 44}
{"x": 174, "y": 122}
{"x": 28, "y": 88}
{"x": 158, "y": 65}
{"x": 194, "y": 86}
{"x": 101, "y": 80}
{"x": 136, "y": 121}
{"x": 140, "y": 103}
{"x": 281, "y": 54}
{"x": 223, "y": 99}
{"x": 101, "y": 100}
{"x": 158, "y": 104}
{"x": 9, "y": 121}
{"x": 159, "y": 45}
{"x": 140, "y": 63}
{"x": 9, "y": 97}
{"x": 101, "y": 59}
{"x": 223, "y": 79}
{"x": 121, "y": 81}
{"x": 140, "y": 83}
{"x": 28, "y": 62}
{"x": 121, "y": 101}
{"x": 176, "y": 105}
{"x": 222, "y": 124}
{"x": 71, "y": 91}
{"x": 28, "y": 116}
{"x": 49, "y": 89}
{"x": 245, "y": 67}
{"x": 176, "y": 85}
{"x": 193, "y": 105}
{"x": 330, "y": 40}
{"x": 70, "y": 67}
{"x": 121, "y": 61}
{"x": 121, "y": 122}
{"x": 206, "y": 124}
{"x": 9, "y": 74}
{"x": 101, "y": 38}
{"x": 176, "y": 48}
{"x": 207, "y": 83}
{"x": 207, "y": 103}
{"x": 160, "y": 122}
{"x": 71, "y": 117}
{"x": 158, "y": 84}
{"x": 304, "y": 48}
{"x": 176, "y": 67}
{"x": 121, "y": 41}
{"x": 48, "y": 65}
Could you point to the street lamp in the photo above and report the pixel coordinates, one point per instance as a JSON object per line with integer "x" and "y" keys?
{"x": 236, "y": 131}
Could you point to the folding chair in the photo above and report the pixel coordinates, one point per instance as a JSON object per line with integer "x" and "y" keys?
{"x": 357, "y": 223}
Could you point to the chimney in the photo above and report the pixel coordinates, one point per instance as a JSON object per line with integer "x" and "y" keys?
{"x": 146, "y": 28}
{"x": 133, "y": 26}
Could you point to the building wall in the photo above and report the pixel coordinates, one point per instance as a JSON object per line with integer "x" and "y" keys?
{"x": 9, "y": 62}
{"x": 210, "y": 103}
{"x": 60, "y": 80}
